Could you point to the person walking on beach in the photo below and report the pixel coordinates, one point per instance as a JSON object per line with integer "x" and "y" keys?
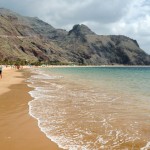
{"x": 1, "y": 72}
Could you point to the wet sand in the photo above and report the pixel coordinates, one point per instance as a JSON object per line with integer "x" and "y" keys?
{"x": 18, "y": 130}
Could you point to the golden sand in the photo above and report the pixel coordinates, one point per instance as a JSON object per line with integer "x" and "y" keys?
{"x": 18, "y": 130}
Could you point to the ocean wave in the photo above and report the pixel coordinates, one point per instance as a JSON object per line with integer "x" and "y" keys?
{"x": 76, "y": 116}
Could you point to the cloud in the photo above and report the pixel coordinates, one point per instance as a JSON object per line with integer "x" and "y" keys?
{"x": 136, "y": 23}
{"x": 67, "y": 12}
{"x": 126, "y": 17}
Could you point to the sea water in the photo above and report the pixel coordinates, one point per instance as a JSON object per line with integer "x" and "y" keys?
{"x": 93, "y": 108}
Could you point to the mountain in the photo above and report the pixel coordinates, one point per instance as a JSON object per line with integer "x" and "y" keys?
{"x": 33, "y": 40}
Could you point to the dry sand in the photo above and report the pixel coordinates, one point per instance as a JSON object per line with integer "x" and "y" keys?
{"x": 18, "y": 130}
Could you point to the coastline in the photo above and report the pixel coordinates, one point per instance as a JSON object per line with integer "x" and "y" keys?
{"x": 18, "y": 130}
{"x": 99, "y": 66}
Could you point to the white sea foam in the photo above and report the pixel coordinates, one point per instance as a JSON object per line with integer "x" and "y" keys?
{"x": 80, "y": 117}
{"x": 146, "y": 147}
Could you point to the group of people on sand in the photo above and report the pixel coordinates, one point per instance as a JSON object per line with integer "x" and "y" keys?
{"x": 15, "y": 66}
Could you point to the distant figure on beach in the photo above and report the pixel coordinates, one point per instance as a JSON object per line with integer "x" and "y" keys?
{"x": 17, "y": 67}
{"x": 1, "y": 72}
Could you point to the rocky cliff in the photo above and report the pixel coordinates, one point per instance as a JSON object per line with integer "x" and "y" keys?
{"x": 31, "y": 39}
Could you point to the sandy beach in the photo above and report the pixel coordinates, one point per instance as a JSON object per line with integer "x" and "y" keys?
{"x": 18, "y": 130}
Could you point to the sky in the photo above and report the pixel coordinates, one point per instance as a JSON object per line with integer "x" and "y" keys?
{"x": 105, "y": 17}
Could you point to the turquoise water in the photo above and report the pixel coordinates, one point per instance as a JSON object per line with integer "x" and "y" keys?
{"x": 130, "y": 79}
{"x": 93, "y": 108}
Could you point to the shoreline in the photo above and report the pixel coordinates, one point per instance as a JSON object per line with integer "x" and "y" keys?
{"x": 19, "y": 130}
{"x": 97, "y": 66}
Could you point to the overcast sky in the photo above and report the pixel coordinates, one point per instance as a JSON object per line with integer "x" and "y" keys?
{"x": 123, "y": 17}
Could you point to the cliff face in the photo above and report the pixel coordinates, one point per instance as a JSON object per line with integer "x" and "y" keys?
{"x": 34, "y": 40}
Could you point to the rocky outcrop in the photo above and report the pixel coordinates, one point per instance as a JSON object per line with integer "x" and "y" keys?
{"x": 34, "y": 40}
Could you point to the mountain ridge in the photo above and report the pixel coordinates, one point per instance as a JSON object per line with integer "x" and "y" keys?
{"x": 33, "y": 40}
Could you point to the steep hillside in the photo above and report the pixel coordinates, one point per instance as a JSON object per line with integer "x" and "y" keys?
{"x": 33, "y": 40}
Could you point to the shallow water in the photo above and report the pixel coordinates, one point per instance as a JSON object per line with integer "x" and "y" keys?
{"x": 93, "y": 108}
